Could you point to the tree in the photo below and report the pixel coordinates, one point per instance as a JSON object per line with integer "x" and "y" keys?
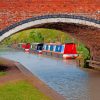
{"x": 36, "y": 36}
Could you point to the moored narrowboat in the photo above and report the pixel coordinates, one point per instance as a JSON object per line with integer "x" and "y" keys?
{"x": 37, "y": 47}
{"x": 70, "y": 50}
{"x": 27, "y": 47}
{"x": 65, "y": 51}
{"x": 24, "y": 46}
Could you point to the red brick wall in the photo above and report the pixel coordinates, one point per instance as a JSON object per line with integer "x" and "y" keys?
{"x": 12, "y": 11}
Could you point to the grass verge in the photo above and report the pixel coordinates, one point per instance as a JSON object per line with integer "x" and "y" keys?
{"x": 21, "y": 90}
{"x": 2, "y": 73}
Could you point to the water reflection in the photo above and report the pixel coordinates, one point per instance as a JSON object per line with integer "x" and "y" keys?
{"x": 62, "y": 75}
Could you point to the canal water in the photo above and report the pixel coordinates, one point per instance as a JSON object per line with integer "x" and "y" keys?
{"x": 64, "y": 76}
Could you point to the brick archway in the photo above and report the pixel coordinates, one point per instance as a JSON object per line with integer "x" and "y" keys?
{"x": 48, "y": 19}
{"x": 85, "y": 29}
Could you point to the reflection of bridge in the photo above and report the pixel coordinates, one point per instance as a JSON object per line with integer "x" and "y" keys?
{"x": 58, "y": 16}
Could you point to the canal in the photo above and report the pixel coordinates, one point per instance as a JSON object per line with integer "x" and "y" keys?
{"x": 64, "y": 76}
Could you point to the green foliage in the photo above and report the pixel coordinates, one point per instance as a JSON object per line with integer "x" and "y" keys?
{"x": 21, "y": 90}
{"x": 37, "y": 35}
{"x": 83, "y": 51}
{"x": 2, "y": 73}
{"x": 46, "y": 36}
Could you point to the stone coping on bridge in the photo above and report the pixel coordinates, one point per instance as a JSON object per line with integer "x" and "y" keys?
{"x": 47, "y": 17}
{"x": 39, "y": 20}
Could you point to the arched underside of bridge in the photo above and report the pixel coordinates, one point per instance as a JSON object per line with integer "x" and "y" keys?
{"x": 84, "y": 29}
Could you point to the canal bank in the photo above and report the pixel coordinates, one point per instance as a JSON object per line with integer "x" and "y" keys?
{"x": 19, "y": 72}
{"x": 65, "y": 77}
{"x": 94, "y": 83}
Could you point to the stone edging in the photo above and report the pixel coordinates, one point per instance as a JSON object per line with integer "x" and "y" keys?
{"x": 47, "y": 17}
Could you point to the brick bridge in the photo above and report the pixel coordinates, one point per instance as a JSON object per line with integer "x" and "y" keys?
{"x": 79, "y": 18}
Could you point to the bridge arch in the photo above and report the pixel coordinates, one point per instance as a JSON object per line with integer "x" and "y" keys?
{"x": 45, "y": 19}
{"x": 80, "y": 27}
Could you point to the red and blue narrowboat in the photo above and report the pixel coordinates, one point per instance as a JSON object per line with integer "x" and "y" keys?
{"x": 70, "y": 50}
{"x": 37, "y": 47}
{"x": 65, "y": 51}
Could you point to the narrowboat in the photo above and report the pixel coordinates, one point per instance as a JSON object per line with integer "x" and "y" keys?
{"x": 27, "y": 47}
{"x": 66, "y": 51}
{"x": 24, "y": 46}
{"x": 37, "y": 48}
{"x": 21, "y": 46}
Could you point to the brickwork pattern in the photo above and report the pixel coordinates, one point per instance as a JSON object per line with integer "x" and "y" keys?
{"x": 12, "y": 11}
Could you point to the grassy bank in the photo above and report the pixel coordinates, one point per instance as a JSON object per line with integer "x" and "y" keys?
{"x": 2, "y": 73}
{"x": 20, "y": 90}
